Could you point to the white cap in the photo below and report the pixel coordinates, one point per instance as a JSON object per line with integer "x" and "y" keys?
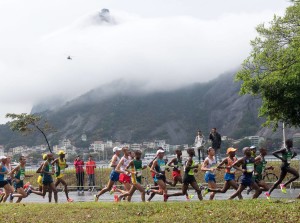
{"x": 159, "y": 151}
{"x": 253, "y": 147}
{"x": 115, "y": 149}
{"x": 3, "y": 157}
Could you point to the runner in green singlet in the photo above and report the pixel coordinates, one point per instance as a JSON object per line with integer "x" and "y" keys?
{"x": 286, "y": 156}
{"x": 18, "y": 175}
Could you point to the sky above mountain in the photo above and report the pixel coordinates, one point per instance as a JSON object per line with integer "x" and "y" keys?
{"x": 160, "y": 45}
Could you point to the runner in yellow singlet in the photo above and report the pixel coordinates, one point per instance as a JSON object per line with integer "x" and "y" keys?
{"x": 61, "y": 165}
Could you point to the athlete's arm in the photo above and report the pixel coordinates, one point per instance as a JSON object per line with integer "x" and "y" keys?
{"x": 14, "y": 171}
{"x": 170, "y": 163}
{"x": 277, "y": 152}
{"x": 220, "y": 166}
{"x": 151, "y": 163}
{"x": 237, "y": 163}
{"x": 43, "y": 168}
{"x": 113, "y": 161}
{"x": 294, "y": 155}
{"x": 129, "y": 165}
{"x": 55, "y": 161}
{"x": 257, "y": 159}
{"x": 39, "y": 170}
{"x": 118, "y": 170}
{"x": 153, "y": 167}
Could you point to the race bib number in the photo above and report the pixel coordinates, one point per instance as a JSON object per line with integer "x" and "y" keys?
{"x": 22, "y": 177}
{"x": 162, "y": 168}
{"x": 62, "y": 171}
{"x": 138, "y": 173}
{"x": 250, "y": 167}
{"x": 50, "y": 168}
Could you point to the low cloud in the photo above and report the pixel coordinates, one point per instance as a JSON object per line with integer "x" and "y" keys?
{"x": 161, "y": 53}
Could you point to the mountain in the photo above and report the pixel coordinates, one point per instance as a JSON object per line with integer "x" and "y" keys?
{"x": 123, "y": 112}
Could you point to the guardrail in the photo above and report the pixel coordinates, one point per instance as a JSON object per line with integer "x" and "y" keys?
{"x": 100, "y": 177}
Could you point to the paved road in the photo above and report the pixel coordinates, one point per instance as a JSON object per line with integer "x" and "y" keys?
{"x": 89, "y": 196}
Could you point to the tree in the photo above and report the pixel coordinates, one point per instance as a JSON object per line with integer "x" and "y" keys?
{"x": 272, "y": 71}
{"x": 27, "y": 124}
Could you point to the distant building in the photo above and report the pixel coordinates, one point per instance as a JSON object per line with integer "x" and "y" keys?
{"x": 109, "y": 144}
{"x": 98, "y": 146}
{"x": 135, "y": 146}
{"x": 83, "y": 137}
{"x": 296, "y": 140}
{"x": 1, "y": 150}
{"x": 255, "y": 140}
{"x": 18, "y": 150}
{"x": 66, "y": 143}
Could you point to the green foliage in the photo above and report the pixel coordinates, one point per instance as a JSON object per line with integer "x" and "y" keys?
{"x": 28, "y": 123}
{"x": 272, "y": 71}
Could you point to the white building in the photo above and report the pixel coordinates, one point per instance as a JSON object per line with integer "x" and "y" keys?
{"x": 66, "y": 143}
{"x": 98, "y": 146}
{"x": 255, "y": 140}
{"x": 159, "y": 143}
{"x": 109, "y": 144}
{"x": 135, "y": 146}
{"x": 1, "y": 150}
{"x": 18, "y": 150}
{"x": 166, "y": 147}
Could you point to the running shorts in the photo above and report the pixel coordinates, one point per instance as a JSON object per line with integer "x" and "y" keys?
{"x": 19, "y": 184}
{"x": 188, "y": 179}
{"x": 209, "y": 177}
{"x": 3, "y": 183}
{"x": 160, "y": 177}
{"x": 124, "y": 178}
{"x": 229, "y": 176}
{"x": 176, "y": 173}
{"x": 246, "y": 180}
{"x": 114, "y": 176}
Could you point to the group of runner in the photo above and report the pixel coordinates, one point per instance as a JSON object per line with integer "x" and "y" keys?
{"x": 12, "y": 179}
{"x": 128, "y": 171}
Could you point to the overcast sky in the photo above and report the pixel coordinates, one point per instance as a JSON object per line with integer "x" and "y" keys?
{"x": 162, "y": 44}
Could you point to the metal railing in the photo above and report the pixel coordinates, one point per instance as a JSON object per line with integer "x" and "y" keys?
{"x": 101, "y": 176}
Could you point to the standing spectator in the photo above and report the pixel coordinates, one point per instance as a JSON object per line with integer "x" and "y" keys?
{"x": 78, "y": 163}
{"x": 216, "y": 141}
{"x": 199, "y": 144}
{"x": 90, "y": 171}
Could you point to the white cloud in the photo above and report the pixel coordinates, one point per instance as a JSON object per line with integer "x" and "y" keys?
{"x": 161, "y": 52}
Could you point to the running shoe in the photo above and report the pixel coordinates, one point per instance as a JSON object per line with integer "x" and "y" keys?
{"x": 248, "y": 191}
{"x": 283, "y": 188}
{"x": 268, "y": 195}
{"x": 190, "y": 196}
{"x": 70, "y": 200}
{"x": 113, "y": 189}
{"x": 116, "y": 198}
{"x": 165, "y": 197}
{"x": 147, "y": 190}
{"x": 96, "y": 197}
{"x": 201, "y": 187}
{"x": 26, "y": 185}
{"x": 11, "y": 197}
{"x": 205, "y": 191}
{"x": 29, "y": 191}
